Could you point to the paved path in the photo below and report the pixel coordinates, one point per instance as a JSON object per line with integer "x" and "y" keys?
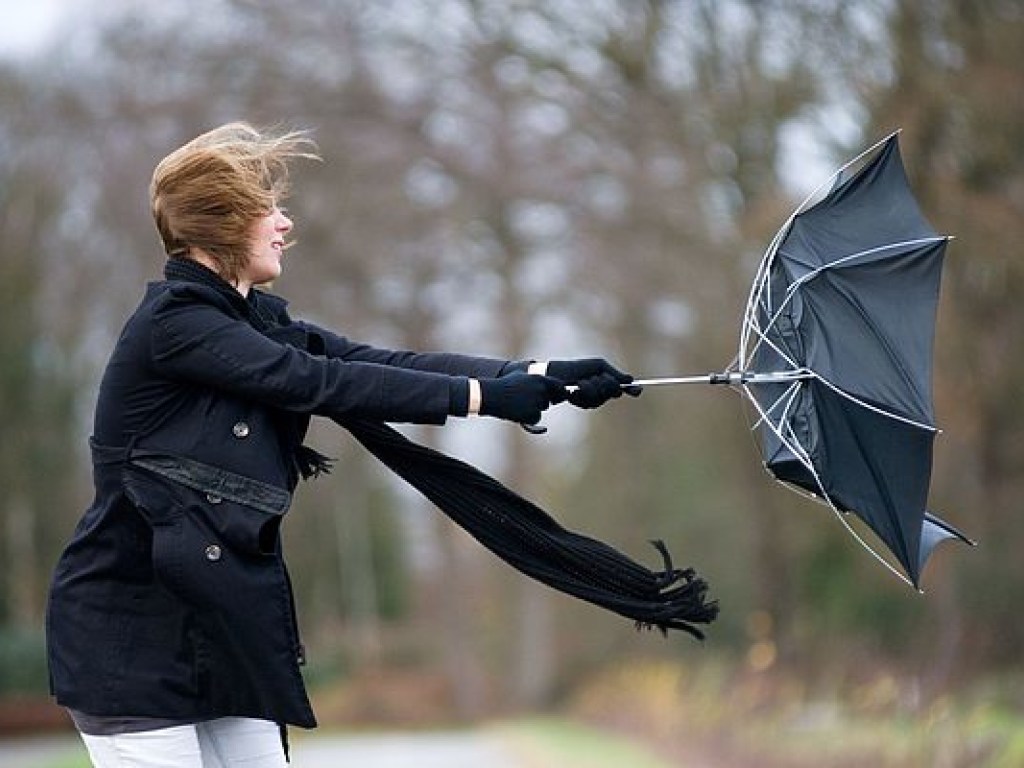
{"x": 461, "y": 749}
{"x": 455, "y": 749}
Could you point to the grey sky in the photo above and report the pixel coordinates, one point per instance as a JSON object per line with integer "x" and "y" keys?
{"x": 27, "y": 25}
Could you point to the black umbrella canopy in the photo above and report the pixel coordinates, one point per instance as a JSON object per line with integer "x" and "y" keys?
{"x": 839, "y": 331}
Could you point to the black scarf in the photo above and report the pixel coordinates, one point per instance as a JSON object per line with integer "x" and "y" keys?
{"x": 516, "y": 530}
{"x": 527, "y": 538}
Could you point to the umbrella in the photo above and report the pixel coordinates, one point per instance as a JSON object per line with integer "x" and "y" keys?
{"x": 835, "y": 355}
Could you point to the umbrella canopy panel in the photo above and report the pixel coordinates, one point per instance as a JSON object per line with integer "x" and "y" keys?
{"x": 862, "y": 269}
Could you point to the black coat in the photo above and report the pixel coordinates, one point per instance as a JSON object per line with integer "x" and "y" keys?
{"x": 172, "y": 598}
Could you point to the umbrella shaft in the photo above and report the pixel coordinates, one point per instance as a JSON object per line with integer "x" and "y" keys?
{"x": 728, "y": 377}
{"x": 669, "y": 380}
{"x": 731, "y": 378}
{"x": 706, "y": 379}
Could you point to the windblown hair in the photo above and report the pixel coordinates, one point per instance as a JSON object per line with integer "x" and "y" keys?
{"x": 209, "y": 193}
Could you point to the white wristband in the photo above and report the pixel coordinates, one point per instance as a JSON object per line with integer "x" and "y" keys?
{"x": 475, "y": 398}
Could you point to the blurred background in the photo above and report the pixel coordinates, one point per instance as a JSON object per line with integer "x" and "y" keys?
{"x": 551, "y": 179}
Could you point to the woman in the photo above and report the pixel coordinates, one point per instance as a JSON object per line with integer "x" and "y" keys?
{"x": 171, "y": 626}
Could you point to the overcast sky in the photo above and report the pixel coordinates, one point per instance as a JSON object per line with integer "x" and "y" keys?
{"x": 27, "y": 23}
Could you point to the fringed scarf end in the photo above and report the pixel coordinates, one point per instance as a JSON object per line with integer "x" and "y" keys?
{"x": 681, "y": 600}
{"x": 312, "y": 463}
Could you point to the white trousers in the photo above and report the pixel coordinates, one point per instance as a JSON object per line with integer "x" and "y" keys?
{"x": 228, "y": 742}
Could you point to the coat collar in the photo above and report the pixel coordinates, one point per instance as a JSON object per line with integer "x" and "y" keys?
{"x": 259, "y": 308}
{"x": 187, "y": 270}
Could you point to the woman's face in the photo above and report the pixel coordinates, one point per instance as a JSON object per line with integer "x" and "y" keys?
{"x": 267, "y": 248}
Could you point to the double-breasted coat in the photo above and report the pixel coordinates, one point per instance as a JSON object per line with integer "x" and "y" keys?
{"x": 172, "y": 598}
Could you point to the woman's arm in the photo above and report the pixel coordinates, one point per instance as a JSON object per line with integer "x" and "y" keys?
{"x": 198, "y": 343}
{"x": 341, "y": 348}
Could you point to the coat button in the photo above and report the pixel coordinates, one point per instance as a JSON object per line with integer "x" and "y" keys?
{"x": 213, "y": 553}
{"x": 240, "y": 430}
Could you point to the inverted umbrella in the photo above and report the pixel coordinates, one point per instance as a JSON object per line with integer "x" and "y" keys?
{"x": 835, "y": 355}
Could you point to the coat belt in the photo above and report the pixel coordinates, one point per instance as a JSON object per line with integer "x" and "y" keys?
{"x": 198, "y": 476}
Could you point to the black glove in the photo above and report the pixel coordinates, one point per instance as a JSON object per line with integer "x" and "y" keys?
{"x": 574, "y": 371}
{"x": 519, "y": 396}
{"x": 597, "y": 380}
{"x": 595, "y": 391}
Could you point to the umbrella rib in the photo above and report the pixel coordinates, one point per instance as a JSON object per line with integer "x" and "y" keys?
{"x": 762, "y": 334}
{"x": 814, "y": 193}
{"x": 860, "y": 539}
{"x": 871, "y": 407}
{"x": 793, "y": 444}
{"x": 762, "y": 338}
{"x": 751, "y": 323}
{"x": 756, "y": 300}
{"x": 761, "y": 283}
{"x": 789, "y": 395}
{"x": 757, "y": 289}
{"x": 799, "y": 282}
{"x": 840, "y": 262}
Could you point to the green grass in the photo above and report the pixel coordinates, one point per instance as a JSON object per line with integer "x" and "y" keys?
{"x": 72, "y": 757}
{"x": 72, "y": 761}
{"x": 747, "y": 718}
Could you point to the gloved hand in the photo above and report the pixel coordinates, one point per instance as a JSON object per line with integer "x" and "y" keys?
{"x": 519, "y": 396}
{"x": 574, "y": 371}
{"x": 597, "y": 380}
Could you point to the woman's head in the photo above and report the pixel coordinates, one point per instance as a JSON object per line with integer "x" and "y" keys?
{"x": 211, "y": 193}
